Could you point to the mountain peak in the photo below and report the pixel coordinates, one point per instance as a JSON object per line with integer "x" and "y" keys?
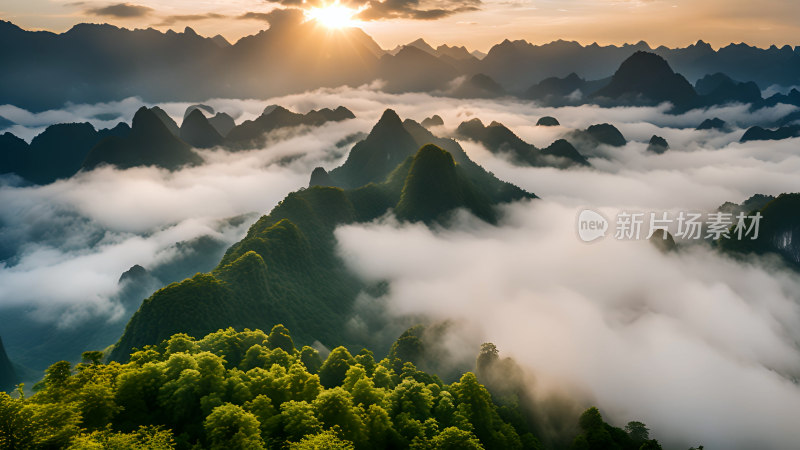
{"x": 198, "y": 132}
{"x": 434, "y": 186}
{"x": 647, "y": 78}
{"x": 389, "y": 118}
{"x": 145, "y": 118}
{"x": 422, "y": 45}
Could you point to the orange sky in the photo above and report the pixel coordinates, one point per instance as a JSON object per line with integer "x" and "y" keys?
{"x": 668, "y": 22}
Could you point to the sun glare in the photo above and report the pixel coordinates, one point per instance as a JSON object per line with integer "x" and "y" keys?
{"x": 333, "y": 16}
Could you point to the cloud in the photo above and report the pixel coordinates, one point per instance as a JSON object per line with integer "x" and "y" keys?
{"x": 370, "y": 10}
{"x": 413, "y": 9}
{"x": 121, "y": 11}
{"x": 666, "y": 339}
{"x": 172, "y": 20}
{"x": 277, "y": 18}
{"x": 264, "y": 17}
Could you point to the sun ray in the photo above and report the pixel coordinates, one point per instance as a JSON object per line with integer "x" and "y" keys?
{"x": 334, "y": 16}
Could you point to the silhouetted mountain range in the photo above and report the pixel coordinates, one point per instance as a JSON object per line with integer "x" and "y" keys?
{"x": 149, "y": 143}
{"x": 760, "y": 134}
{"x": 286, "y": 269}
{"x": 251, "y": 133}
{"x": 93, "y": 63}
{"x": 56, "y": 153}
{"x": 713, "y": 124}
{"x": 497, "y": 138}
{"x": 154, "y": 140}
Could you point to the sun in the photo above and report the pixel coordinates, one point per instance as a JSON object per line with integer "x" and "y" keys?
{"x": 333, "y": 16}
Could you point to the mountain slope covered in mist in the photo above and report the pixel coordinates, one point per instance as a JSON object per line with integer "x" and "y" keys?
{"x": 286, "y": 269}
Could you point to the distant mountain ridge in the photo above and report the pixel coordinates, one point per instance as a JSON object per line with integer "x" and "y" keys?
{"x": 104, "y": 63}
{"x": 497, "y": 138}
{"x": 153, "y": 140}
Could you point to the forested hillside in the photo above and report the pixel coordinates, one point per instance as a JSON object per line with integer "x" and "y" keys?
{"x": 252, "y": 390}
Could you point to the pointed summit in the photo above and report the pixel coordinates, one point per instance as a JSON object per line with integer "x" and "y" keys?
{"x": 434, "y": 186}
{"x": 149, "y": 143}
{"x": 646, "y": 78}
{"x": 389, "y": 118}
{"x": 422, "y": 45}
{"x": 198, "y": 132}
{"x": 371, "y": 160}
{"x": 171, "y": 125}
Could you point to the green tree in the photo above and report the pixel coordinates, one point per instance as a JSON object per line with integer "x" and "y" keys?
{"x": 145, "y": 438}
{"x": 637, "y": 431}
{"x": 279, "y": 337}
{"x": 299, "y": 420}
{"x": 56, "y": 375}
{"x": 378, "y": 426}
{"x": 487, "y": 356}
{"x": 230, "y": 426}
{"x": 17, "y": 428}
{"x": 181, "y": 343}
{"x": 412, "y": 397}
{"x": 367, "y": 360}
{"x": 327, "y": 440}
{"x": 594, "y": 435}
{"x": 453, "y": 438}
{"x": 92, "y": 357}
{"x": 333, "y": 370}
{"x": 310, "y": 358}
{"x": 96, "y": 404}
{"x": 334, "y": 407}
{"x": 650, "y": 444}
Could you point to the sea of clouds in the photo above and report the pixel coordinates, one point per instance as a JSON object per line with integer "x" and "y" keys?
{"x": 700, "y": 347}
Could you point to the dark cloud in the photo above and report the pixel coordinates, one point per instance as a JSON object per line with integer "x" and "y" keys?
{"x": 276, "y": 17}
{"x": 264, "y": 17}
{"x": 389, "y": 9}
{"x": 121, "y": 10}
{"x": 413, "y": 9}
{"x": 172, "y": 20}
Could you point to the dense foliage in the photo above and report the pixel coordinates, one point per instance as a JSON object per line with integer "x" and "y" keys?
{"x": 253, "y": 390}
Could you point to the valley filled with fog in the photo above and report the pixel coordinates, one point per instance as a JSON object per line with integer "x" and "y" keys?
{"x": 699, "y": 345}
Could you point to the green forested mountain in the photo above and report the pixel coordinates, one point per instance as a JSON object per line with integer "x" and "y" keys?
{"x": 253, "y": 390}
{"x": 286, "y": 269}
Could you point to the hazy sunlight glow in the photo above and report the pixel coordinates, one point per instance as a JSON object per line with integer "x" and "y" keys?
{"x": 333, "y": 16}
